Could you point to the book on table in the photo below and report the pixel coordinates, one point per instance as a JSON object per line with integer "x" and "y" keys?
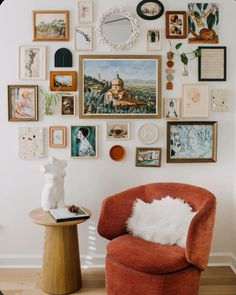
{"x": 63, "y": 214}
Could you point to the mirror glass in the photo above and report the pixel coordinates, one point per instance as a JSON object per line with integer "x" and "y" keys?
{"x": 117, "y": 28}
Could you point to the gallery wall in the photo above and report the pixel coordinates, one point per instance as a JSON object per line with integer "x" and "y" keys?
{"x": 88, "y": 181}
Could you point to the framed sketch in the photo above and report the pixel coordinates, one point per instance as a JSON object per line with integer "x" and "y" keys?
{"x": 125, "y": 86}
{"x": 57, "y": 136}
{"x": 189, "y": 142}
{"x": 172, "y": 108}
{"x": 85, "y": 11}
{"x": 32, "y": 63}
{"x": 116, "y": 130}
{"x": 219, "y": 100}
{"x": 212, "y": 63}
{"x": 50, "y": 25}
{"x": 83, "y": 38}
{"x": 84, "y": 142}
{"x": 67, "y": 105}
{"x": 153, "y": 39}
{"x": 30, "y": 143}
{"x": 176, "y": 24}
{"x": 63, "y": 80}
{"x": 150, "y": 9}
{"x": 203, "y": 22}
{"x": 148, "y": 133}
{"x": 148, "y": 157}
{"x": 22, "y": 103}
{"x": 195, "y": 101}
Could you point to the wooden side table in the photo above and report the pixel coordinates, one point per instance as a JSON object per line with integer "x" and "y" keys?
{"x": 61, "y": 273}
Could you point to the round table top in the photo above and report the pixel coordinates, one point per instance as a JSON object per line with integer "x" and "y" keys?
{"x": 42, "y": 217}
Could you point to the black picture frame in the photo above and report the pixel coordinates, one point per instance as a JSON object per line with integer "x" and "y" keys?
{"x": 212, "y": 63}
{"x": 142, "y": 15}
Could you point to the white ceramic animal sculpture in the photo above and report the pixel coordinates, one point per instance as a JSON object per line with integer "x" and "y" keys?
{"x": 53, "y": 194}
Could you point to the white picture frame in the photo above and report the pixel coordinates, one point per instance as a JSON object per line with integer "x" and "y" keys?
{"x": 172, "y": 108}
{"x": 117, "y": 130}
{"x": 195, "y": 101}
{"x": 32, "y": 62}
{"x": 153, "y": 39}
{"x": 83, "y": 38}
{"x": 85, "y": 11}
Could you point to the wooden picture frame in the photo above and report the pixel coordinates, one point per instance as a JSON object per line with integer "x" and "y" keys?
{"x": 68, "y": 105}
{"x": 22, "y": 103}
{"x": 176, "y": 24}
{"x": 195, "y": 101}
{"x": 85, "y": 11}
{"x": 191, "y": 142}
{"x": 83, "y": 38}
{"x": 150, "y": 9}
{"x": 63, "y": 81}
{"x": 57, "y": 136}
{"x": 153, "y": 39}
{"x": 212, "y": 63}
{"x": 148, "y": 157}
{"x": 60, "y": 20}
{"x": 117, "y": 130}
{"x": 102, "y": 76}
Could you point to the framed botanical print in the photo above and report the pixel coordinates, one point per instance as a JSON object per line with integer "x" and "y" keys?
{"x": 120, "y": 86}
{"x": 148, "y": 157}
{"x": 32, "y": 62}
{"x": 84, "y": 142}
{"x": 50, "y": 25}
{"x": 117, "y": 130}
{"x": 22, "y": 103}
{"x": 85, "y": 11}
{"x": 63, "y": 80}
{"x": 195, "y": 101}
{"x": 67, "y": 105}
{"x": 83, "y": 38}
{"x": 203, "y": 22}
{"x": 212, "y": 63}
{"x": 57, "y": 136}
{"x": 176, "y": 24}
{"x": 189, "y": 142}
{"x": 153, "y": 39}
{"x": 172, "y": 108}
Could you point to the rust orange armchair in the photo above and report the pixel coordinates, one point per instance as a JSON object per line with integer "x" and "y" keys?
{"x": 135, "y": 266}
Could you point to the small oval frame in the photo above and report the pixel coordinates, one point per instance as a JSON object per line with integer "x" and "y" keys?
{"x": 139, "y": 12}
{"x": 135, "y": 29}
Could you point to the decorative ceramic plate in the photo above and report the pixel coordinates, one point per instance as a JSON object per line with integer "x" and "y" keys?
{"x": 148, "y": 133}
{"x": 117, "y": 152}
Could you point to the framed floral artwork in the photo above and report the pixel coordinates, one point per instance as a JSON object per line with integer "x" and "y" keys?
{"x": 50, "y": 25}
{"x": 83, "y": 38}
{"x": 22, "y": 103}
{"x": 176, "y": 24}
{"x": 85, "y": 11}
{"x": 117, "y": 130}
{"x": 57, "y": 136}
{"x": 189, "y": 142}
{"x": 63, "y": 80}
{"x": 148, "y": 157}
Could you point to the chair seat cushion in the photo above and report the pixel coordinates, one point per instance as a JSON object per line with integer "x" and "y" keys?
{"x": 145, "y": 256}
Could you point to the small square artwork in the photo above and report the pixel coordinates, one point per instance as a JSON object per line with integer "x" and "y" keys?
{"x": 117, "y": 130}
{"x": 153, "y": 39}
{"x": 148, "y": 157}
{"x": 219, "y": 100}
{"x": 83, "y": 38}
{"x": 172, "y": 108}
{"x": 30, "y": 143}
{"x": 68, "y": 105}
{"x": 85, "y": 11}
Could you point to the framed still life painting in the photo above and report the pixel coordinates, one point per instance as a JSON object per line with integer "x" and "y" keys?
{"x": 116, "y": 130}
{"x": 189, "y": 142}
{"x": 176, "y": 24}
{"x": 120, "y": 86}
{"x": 22, "y": 103}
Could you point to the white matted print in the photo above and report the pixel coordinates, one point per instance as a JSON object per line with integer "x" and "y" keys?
{"x": 83, "y": 38}
{"x": 195, "y": 101}
{"x": 32, "y": 62}
{"x": 219, "y": 100}
{"x": 117, "y": 130}
{"x": 85, "y": 11}
{"x": 153, "y": 39}
{"x": 30, "y": 143}
{"x": 172, "y": 108}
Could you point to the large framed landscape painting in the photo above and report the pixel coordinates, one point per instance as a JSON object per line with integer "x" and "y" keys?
{"x": 115, "y": 86}
{"x": 189, "y": 142}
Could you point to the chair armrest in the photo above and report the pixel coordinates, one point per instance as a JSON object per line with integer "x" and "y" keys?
{"x": 200, "y": 233}
{"x": 115, "y": 211}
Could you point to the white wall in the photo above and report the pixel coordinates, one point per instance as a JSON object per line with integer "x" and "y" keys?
{"x": 89, "y": 181}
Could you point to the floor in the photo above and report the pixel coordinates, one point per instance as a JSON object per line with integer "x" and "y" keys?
{"x": 214, "y": 281}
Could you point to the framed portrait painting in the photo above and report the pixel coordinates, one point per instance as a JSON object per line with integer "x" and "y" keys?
{"x": 50, "y": 25}
{"x": 195, "y": 101}
{"x": 32, "y": 62}
{"x": 57, "y": 136}
{"x": 67, "y": 105}
{"x": 176, "y": 24}
{"x": 148, "y": 157}
{"x": 153, "y": 39}
{"x": 85, "y": 11}
{"x": 22, "y": 103}
{"x": 172, "y": 108}
{"x": 120, "y": 86}
{"x": 63, "y": 80}
{"x": 83, "y": 38}
{"x": 189, "y": 142}
{"x": 84, "y": 142}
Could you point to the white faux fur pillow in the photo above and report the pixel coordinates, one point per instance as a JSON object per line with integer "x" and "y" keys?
{"x": 164, "y": 221}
